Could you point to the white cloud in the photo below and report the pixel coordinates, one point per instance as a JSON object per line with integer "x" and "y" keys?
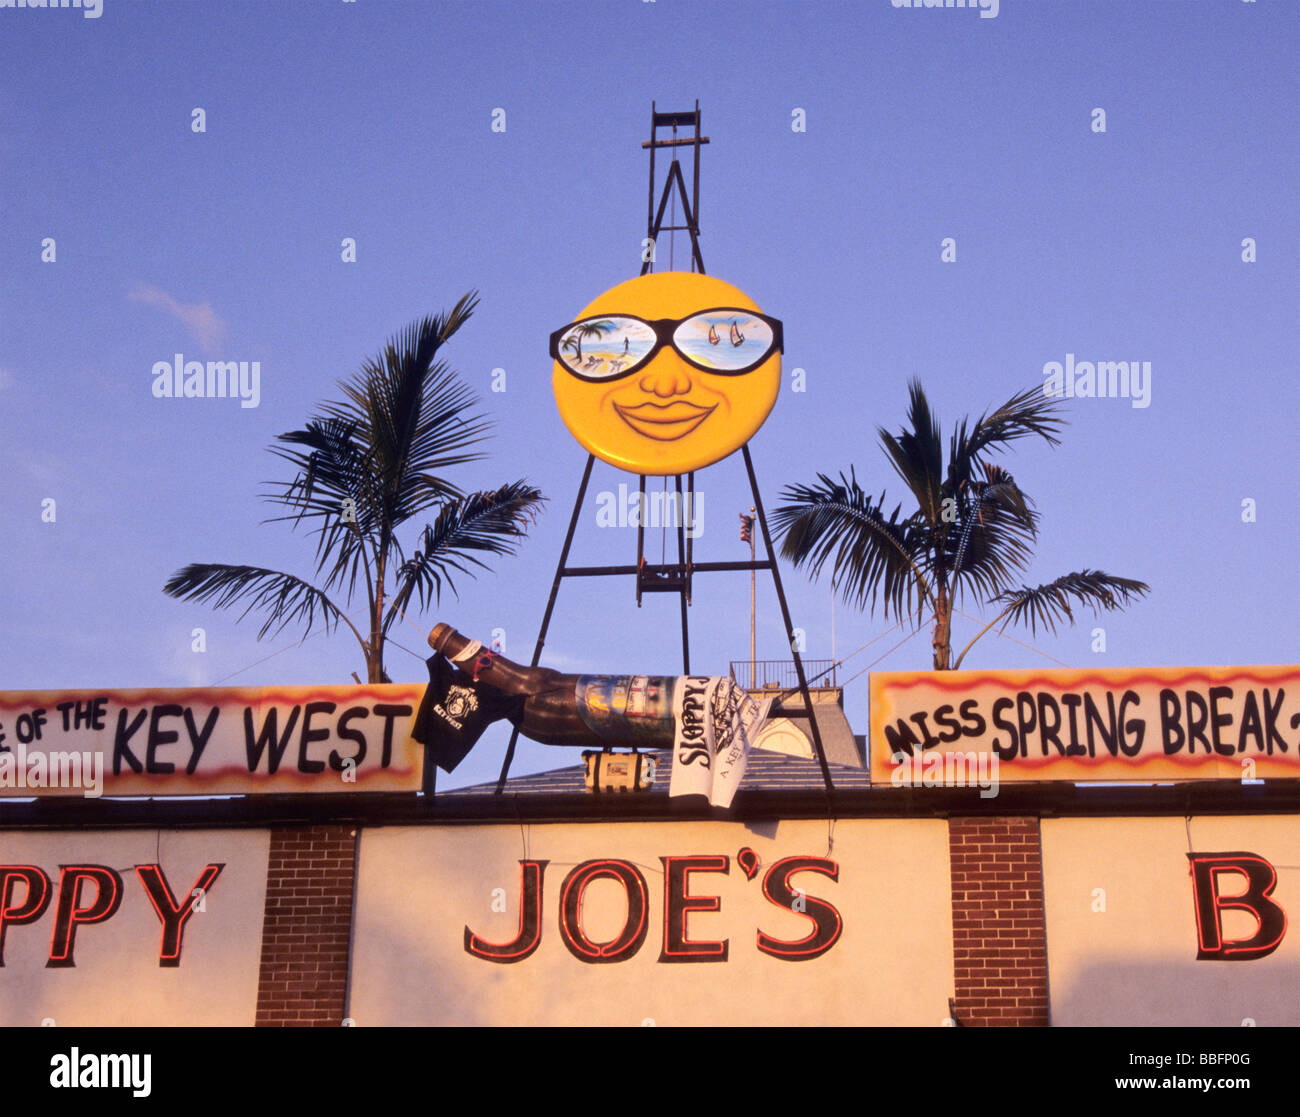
{"x": 203, "y": 323}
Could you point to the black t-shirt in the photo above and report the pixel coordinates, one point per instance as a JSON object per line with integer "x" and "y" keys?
{"x": 455, "y": 710}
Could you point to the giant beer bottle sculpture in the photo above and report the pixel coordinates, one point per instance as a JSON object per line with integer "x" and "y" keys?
{"x": 707, "y": 722}
{"x": 591, "y": 711}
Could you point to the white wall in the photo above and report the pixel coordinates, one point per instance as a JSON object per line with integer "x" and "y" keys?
{"x": 418, "y": 888}
{"x": 1135, "y": 962}
{"x": 117, "y": 979}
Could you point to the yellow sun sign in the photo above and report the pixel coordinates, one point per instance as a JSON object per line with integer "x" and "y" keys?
{"x": 667, "y": 373}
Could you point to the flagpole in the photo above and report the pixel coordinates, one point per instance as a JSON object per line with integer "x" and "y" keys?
{"x": 747, "y": 536}
{"x": 753, "y": 589}
{"x": 832, "y": 635}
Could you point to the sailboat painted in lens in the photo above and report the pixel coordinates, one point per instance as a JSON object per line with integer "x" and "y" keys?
{"x": 713, "y": 334}
{"x": 737, "y": 338}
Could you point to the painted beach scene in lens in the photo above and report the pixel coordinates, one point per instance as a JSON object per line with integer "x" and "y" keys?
{"x": 606, "y": 346}
{"x": 631, "y": 708}
{"x": 724, "y": 339}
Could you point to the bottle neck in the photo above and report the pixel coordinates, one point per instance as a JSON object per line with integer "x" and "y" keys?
{"x": 468, "y": 654}
{"x": 471, "y": 657}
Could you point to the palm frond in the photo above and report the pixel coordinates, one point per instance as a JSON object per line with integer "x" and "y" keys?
{"x": 333, "y": 473}
{"x": 368, "y": 464}
{"x": 997, "y": 525}
{"x": 363, "y": 467}
{"x": 998, "y": 550}
{"x": 335, "y": 486}
{"x": 413, "y": 412}
{"x": 285, "y": 598}
{"x": 1050, "y": 603}
{"x": 916, "y": 453}
{"x": 1029, "y": 414}
{"x": 873, "y": 556}
{"x": 488, "y": 523}
{"x": 1000, "y": 488}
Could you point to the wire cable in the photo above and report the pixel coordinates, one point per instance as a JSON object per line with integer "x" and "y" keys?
{"x": 872, "y": 664}
{"x": 290, "y": 647}
{"x": 1003, "y": 634}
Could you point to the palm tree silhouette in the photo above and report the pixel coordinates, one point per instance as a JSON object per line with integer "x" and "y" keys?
{"x": 365, "y": 467}
{"x": 574, "y": 338}
{"x": 972, "y": 529}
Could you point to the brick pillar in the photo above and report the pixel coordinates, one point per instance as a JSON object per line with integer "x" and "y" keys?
{"x": 307, "y": 926}
{"x": 999, "y": 934}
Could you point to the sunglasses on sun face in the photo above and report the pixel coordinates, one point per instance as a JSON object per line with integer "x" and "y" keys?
{"x": 726, "y": 341}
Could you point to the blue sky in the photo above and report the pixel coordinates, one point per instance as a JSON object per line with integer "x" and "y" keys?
{"x": 373, "y": 120}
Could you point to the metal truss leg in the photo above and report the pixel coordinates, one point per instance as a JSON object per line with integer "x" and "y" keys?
{"x": 789, "y": 629}
{"x": 550, "y": 608}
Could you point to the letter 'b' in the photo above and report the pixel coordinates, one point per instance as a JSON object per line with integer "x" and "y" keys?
{"x": 1261, "y": 878}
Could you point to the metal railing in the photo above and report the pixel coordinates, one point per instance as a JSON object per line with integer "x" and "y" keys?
{"x": 779, "y": 674}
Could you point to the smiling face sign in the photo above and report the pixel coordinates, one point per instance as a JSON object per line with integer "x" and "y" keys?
{"x": 667, "y": 372}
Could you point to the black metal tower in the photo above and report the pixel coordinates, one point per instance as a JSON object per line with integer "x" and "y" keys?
{"x": 677, "y": 577}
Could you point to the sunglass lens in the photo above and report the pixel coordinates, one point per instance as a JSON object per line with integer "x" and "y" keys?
{"x": 727, "y": 340}
{"x": 605, "y": 347}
